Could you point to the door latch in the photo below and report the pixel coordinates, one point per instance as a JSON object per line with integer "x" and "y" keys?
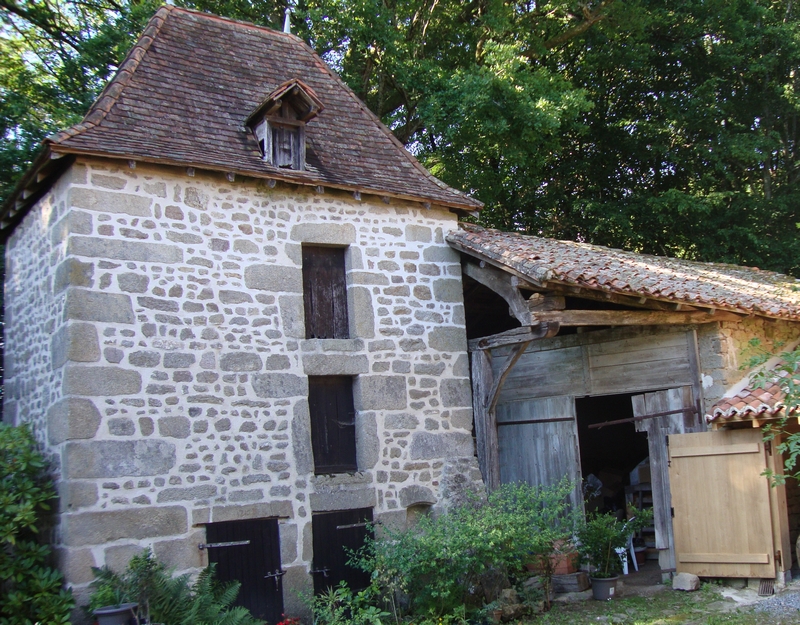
{"x": 275, "y": 576}
{"x": 233, "y": 543}
{"x": 324, "y": 571}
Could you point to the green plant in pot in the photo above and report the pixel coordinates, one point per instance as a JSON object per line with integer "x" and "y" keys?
{"x": 599, "y": 537}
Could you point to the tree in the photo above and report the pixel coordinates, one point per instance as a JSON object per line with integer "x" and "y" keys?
{"x": 619, "y": 122}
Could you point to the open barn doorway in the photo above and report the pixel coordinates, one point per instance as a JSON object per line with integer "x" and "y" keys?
{"x": 609, "y": 454}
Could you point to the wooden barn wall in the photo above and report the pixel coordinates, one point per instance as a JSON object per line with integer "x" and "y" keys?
{"x": 605, "y": 362}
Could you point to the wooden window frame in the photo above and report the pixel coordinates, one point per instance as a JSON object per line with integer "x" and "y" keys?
{"x": 325, "y": 292}
{"x": 333, "y": 429}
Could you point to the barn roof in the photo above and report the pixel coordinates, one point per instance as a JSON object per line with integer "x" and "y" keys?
{"x": 548, "y": 262}
{"x": 184, "y": 92}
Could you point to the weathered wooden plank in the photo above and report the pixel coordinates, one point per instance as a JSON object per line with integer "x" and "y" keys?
{"x": 745, "y": 448}
{"x": 485, "y": 426}
{"x": 650, "y": 354}
{"x": 629, "y": 344}
{"x": 541, "y": 453}
{"x": 632, "y": 378}
{"x": 725, "y": 558}
{"x": 629, "y": 317}
{"x": 657, "y": 431}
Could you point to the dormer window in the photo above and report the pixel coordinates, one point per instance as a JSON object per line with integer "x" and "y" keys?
{"x": 279, "y": 124}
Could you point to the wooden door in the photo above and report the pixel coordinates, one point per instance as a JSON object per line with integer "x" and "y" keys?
{"x": 723, "y": 523}
{"x": 333, "y": 425}
{"x": 650, "y": 408}
{"x": 538, "y": 442}
{"x": 335, "y": 535}
{"x": 249, "y": 552}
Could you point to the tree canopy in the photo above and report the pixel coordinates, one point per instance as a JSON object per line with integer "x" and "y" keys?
{"x": 650, "y": 125}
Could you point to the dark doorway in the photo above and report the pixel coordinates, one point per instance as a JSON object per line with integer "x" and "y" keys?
{"x": 255, "y": 563}
{"x": 609, "y": 453}
{"x": 336, "y": 534}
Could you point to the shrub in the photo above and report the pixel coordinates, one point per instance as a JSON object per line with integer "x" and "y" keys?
{"x": 32, "y": 590}
{"x": 165, "y": 599}
{"x": 439, "y": 564}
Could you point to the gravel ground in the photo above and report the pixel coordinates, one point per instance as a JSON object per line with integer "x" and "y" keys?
{"x": 785, "y": 604}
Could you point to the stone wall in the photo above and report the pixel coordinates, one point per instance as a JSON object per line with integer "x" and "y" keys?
{"x": 155, "y": 339}
{"x": 723, "y": 350}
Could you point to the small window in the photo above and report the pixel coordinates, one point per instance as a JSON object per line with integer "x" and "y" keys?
{"x": 333, "y": 424}
{"x": 325, "y": 293}
{"x": 279, "y": 124}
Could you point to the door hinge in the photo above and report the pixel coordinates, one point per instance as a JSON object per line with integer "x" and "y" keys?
{"x": 234, "y": 543}
{"x": 672, "y": 512}
{"x": 666, "y": 440}
{"x": 768, "y": 447}
{"x": 778, "y": 559}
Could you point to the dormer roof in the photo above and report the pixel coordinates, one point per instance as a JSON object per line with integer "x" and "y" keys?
{"x": 301, "y": 96}
{"x": 186, "y": 89}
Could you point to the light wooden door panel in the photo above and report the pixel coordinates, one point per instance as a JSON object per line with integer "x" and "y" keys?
{"x": 723, "y": 521}
{"x": 538, "y": 443}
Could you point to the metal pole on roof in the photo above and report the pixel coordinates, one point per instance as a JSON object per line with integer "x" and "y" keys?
{"x": 287, "y": 25}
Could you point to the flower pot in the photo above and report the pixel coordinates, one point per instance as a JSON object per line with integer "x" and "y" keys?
{"x": 603, "y": 587}
{"x": 115, "y": 614}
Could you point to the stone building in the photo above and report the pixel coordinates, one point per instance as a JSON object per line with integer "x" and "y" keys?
{"x": 232, "y": 317}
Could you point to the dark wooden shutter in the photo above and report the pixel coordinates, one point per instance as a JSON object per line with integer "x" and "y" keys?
{"x": 249, "y": 564}
{"x": 333, "y": 430}
{"x": 324, "y": 293}
{"x": 334, "y": 533}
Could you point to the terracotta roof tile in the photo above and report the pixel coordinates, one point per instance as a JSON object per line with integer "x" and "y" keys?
{"x": 713, "y": 285}
{"x": 184, "y": 91}
{"x": 752, "y": 403}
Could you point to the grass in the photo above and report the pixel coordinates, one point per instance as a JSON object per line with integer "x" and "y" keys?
{"x": 705, "y": 607}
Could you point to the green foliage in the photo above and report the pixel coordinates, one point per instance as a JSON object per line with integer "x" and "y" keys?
{"x": 341, "y": 606}
{"x": 439, "y": 564}
{"x": 165, "y": 599}
{"x": 786, "y": 374}
{"x": 601, "y": 534}
{"x": 32, "y": 590}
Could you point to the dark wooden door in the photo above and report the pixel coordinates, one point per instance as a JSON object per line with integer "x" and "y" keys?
{"x": 325, "y": 293}
{"x": 333, "y": 427}
{"x": 335, "y": 535}
{"x": 256, "y": 564}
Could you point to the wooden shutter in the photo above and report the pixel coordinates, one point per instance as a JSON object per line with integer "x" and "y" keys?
{"x": 723, "y": 521}
{"x": 256, "y": 565}
{"x": 325, "y": 293}
{"x": 334, "y": 535}
{"x": 333, "y": 431}
{"x": 538, "y": 442}
{"x": 658, "y": 428}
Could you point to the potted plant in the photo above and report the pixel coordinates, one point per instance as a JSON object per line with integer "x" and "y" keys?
{"x": 598, "y": 539}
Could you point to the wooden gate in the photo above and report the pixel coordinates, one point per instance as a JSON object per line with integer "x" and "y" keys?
{"x": 335, "y": 534}
{"x": 726, "y": 514}
{"x": 538, "y": 442}
{"x": 681, "y": 416}
{"x": 249, "y": 552}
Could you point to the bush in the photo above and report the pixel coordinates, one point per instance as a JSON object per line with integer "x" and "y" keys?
{"x": 165, "y": 599}
{"x": 32, "y": 591}
{"x": 438, "y": 565}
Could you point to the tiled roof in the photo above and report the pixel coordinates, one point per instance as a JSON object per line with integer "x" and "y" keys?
{"x": 753, "y": 403}
{"x": 184, "y": 92}
{"x": 711, "y": 285}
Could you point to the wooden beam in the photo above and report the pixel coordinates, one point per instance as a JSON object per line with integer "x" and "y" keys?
{"x": 517, "y": 335}
{"x": 629, "y": 317}
{"x": 513, "y": 357}
{"x": 542, "y": 301}
{"x": 485, "y": 420}
{"x": 501, "y": 283}
{"x": 634, "y": 301}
